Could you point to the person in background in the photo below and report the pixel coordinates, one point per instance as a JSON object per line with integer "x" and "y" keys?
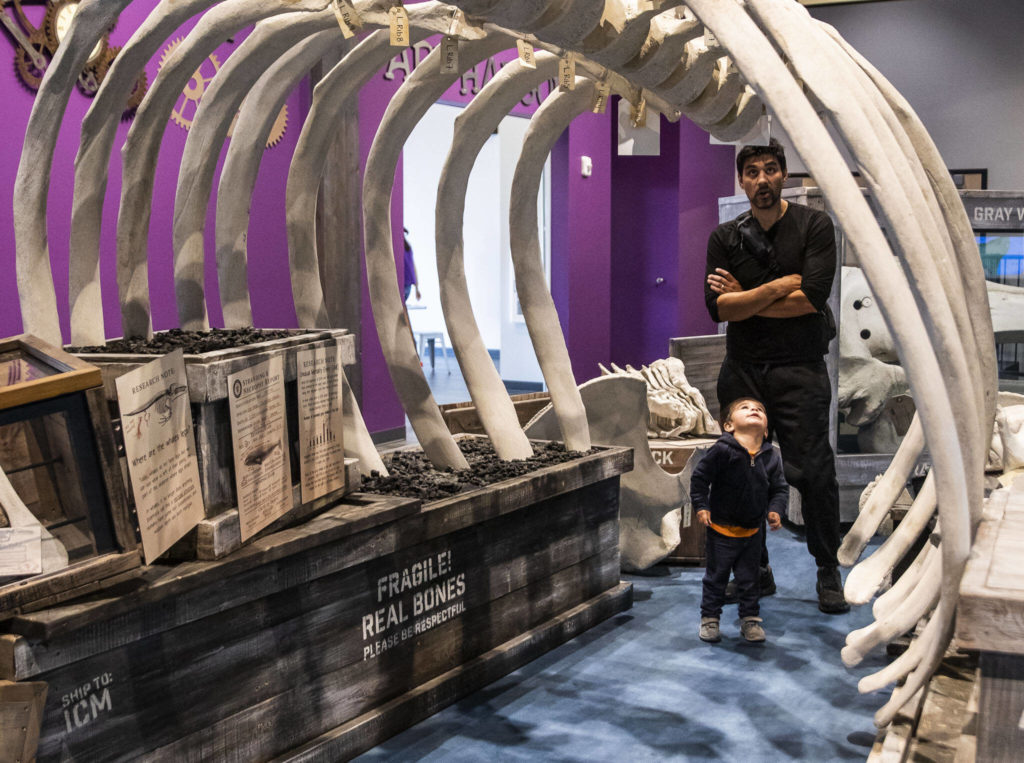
{"x": 410, "y": 281}
{"x": 736, "y": 487}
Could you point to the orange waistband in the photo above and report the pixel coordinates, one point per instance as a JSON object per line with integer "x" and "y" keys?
{"x": 734, "y": 531}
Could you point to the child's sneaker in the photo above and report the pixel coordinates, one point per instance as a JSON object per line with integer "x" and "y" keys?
{"x": 751, "y": 629}
{"x": 709, "y": 630}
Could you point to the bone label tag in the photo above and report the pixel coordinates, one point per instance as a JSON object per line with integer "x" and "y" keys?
{"x": 709, "y": 38}
{"x": 398, "y": 18}
{"x": 601, "y": 93}
{"x": 638, "y": 113}
{"x": 450, "y": 55}
{"x": 526, "y": 56}
{"x": 567, "y": 73}
{"x": 348, "y": 18}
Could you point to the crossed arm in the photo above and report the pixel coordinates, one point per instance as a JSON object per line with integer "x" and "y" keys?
{"x": 781, "y": 298}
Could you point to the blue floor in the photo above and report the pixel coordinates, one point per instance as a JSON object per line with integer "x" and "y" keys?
{"x": 642, "y": 686}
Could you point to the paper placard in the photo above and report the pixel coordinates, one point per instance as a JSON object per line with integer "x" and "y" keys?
{"x": 450, "y": 55}
{"x": 21, "y": 550}
{"x": 321, "y": 449}
{"x": 567, "y": 73}
{"x": 398, "y": 20}
{"x": 348, "y": 18}
{"x": 159, "y": 445}
{"x": 709, "y": 38}
{"x": 601, "y": 92}
{"x": 526, "y": 55}
{"x": 259, "y": 433}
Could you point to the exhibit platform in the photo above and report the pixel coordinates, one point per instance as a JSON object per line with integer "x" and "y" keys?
{"x": 319, "y": 641}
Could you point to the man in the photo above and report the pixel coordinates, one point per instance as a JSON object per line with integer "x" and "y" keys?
{"x": 769, "y": 273}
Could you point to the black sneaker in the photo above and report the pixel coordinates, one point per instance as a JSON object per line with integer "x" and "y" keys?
{"x": 830, "y": 592}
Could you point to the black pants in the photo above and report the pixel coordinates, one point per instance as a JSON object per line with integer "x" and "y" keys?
{"x": 797, "y": 397}
{"x": 741, "y": 557}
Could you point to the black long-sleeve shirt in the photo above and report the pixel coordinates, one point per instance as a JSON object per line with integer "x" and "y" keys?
{"x": 804, "y": 242}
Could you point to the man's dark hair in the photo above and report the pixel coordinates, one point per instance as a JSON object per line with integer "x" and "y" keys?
{"x": 774, "y": 149}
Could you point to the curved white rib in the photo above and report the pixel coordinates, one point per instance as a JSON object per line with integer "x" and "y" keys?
{"x": 32, "y": 182}
{"x": 99, "y": 128}
{"x": 268, "y": 41}
{"x": 241, "y": 168}
{"x": 472, "y": 129}
{"x": 539, "y": 312}
{"x": 415, "y": 96}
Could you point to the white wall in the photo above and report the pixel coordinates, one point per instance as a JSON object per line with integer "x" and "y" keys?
{"x": 518, "y": 359}
{"x": 960, "y": 65}
{"x": 485, "y": 234}
{"x": 422, "y": 161}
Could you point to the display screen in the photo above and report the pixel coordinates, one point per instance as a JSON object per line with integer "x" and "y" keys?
{"x": 1002, "y": 255}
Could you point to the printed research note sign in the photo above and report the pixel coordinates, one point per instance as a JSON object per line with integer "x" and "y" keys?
{"x": 321, "y": 450}
{"x": 263, "y": 472}
{"x": 156, "y": 420}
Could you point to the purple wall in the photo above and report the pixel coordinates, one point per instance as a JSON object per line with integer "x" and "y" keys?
{"x": 636, "y": 219}
{"x": 706, "y": 173}
{"x": 268, "y": 269}
{"x": 645, "y": 231}
{"x": 590, "y": 246}
{"x": 381, "y": 407}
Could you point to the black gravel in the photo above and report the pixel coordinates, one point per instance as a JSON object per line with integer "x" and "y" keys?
{"x": 411, "y": 475}
{"x": 192, "y": 342}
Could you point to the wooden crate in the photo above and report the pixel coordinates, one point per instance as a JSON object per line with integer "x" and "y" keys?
{"x": 207, "y": 375}
{"x": 57, "y": 399}
{"x": 207, "y": 381}
{"x": 319, "y": 641}
{"x": 462, "y": 418}
{"x": 672, "y": 456}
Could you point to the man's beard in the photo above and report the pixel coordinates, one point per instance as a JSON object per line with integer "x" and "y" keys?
{"x": 765, "y": 198}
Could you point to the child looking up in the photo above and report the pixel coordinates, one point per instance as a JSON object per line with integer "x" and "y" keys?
{"x": 737, "y": 486}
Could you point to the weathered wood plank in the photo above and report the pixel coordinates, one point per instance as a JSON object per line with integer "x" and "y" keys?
{"x": 221, "y": 535}
{"x": 373, "y": 727}
{"x": 64, "y": 584}
{"x": 1000, "y": 707}
{"x": 306, "y": 681}
{"x": 21, "y": 706}
{"x": 110, "y": 468}
{"x": 342, "y": 522}
{"x": 702, "y": 356}
{"x": 547, "y": 527}
{"x": 990, "y": 612}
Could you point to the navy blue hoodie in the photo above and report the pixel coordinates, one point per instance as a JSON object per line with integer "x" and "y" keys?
{"x": 737, "y": 488}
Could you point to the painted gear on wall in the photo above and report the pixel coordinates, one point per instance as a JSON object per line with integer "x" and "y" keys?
{"x": 185, "y": 110}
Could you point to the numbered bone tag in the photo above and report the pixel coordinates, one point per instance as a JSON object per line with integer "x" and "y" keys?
{"x": 348, "y": 18}
{"x": 601, "y": 93}
{"x": 567, "y": 73}
{"x": 398, "y": 19}
{"x": 526, "y": 56}
{"x": 450, "y": 55}
{"x": 638, "y": 113}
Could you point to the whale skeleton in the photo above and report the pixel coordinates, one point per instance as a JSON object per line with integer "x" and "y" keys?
{"x": 718, "y": 63}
